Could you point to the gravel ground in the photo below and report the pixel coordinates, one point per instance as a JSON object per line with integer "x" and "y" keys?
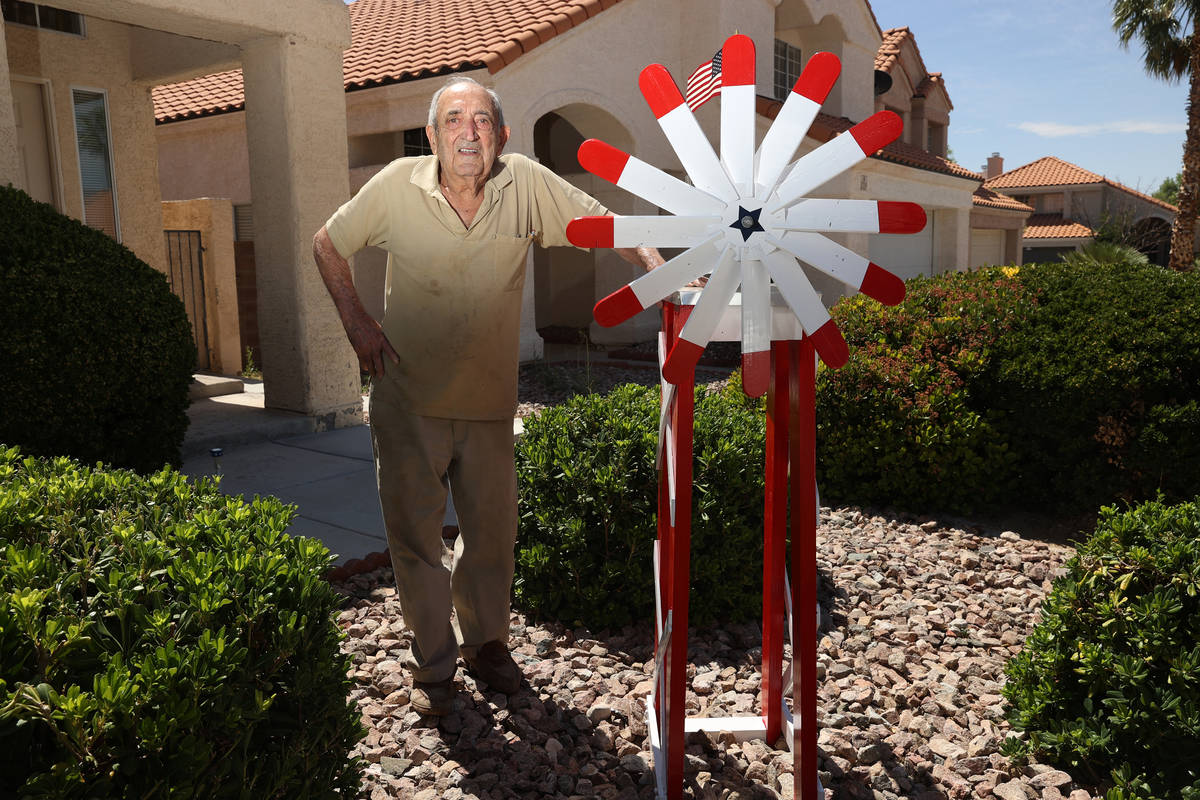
{"x": 919, "y": 617}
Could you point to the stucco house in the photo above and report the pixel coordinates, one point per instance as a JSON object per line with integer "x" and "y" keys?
{"x": 1071, "y": 204}
{"x": 567, "y": 70}
{"x": 77, "y": 130}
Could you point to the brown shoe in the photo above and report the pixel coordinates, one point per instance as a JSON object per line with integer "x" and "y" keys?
{"x": 494, "y": 665}
{"x": 435, "y": 699}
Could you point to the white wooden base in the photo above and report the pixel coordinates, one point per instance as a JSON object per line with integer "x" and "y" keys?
{"x": 743, "y": 729}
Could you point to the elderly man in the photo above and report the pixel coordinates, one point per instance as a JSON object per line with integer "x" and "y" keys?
{"x": 456, "y": 226}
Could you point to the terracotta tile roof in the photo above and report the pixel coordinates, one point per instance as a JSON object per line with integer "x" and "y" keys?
{"x": 825, "y": 127}
{"x": 210, "y": 94}
{"x": 889, "y": 49}
{"x": 1051, "y": 171}
{"x": 1048, "y": 171}
{"x": 1053, "y": 226}
{"x": 400, "y": 40}
{"x": 989, "y": 198}
{"x": 888, "y": 55}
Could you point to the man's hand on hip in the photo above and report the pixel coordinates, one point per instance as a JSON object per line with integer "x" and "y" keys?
{"x": 372, "y": 346}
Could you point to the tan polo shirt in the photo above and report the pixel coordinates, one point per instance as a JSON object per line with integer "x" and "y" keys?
{"x": 452, "y": 297}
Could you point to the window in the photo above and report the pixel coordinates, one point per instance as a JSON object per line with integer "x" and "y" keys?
{"x": 1051, "y": 203}
{"x": 95, "y": 161}
{"x": 937, "y": 139}
{"x": 788, "y": 66}
{"x": 416, "y": 143}
{"x": 45, "y": 17}
{"x": 374, "y": 149}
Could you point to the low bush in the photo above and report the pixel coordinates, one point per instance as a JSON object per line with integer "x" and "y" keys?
{"x": 1109, "y": 681}
{"x": 900, "y": 424}
{"x": 159, "y": 639}
{"x": 1096, "y": 390}
{"x": 96, "y": 353}
{"x": 588, "y": 488}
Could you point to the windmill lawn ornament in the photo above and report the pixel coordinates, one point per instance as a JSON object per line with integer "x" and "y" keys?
{"x": 745, "y": 218}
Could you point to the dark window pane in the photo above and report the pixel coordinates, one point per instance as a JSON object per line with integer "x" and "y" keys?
{"x": 416, "y": 143}
{"x": 56, "y": 19}
{"x": 19, "y": 12}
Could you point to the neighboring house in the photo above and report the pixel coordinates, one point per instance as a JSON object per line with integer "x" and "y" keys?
{"x": 1072, "y": 205}
{"x": 77, "y": 130}
{"x": 920, "y": 98}
{"x": 565, "y": 73}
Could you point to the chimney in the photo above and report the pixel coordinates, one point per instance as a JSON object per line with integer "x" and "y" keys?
{"x": 995, "y": 165}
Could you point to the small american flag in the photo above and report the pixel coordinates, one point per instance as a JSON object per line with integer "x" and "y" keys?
{"x": 704, "y": 83}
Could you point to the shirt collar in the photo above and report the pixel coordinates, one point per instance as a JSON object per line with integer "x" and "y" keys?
{"x": 425, "y": 175}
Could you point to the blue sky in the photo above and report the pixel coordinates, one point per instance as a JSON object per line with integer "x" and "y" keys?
{"x": 1032, "y": 79}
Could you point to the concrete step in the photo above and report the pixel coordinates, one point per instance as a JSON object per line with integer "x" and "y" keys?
{"x": 204, "y": 385}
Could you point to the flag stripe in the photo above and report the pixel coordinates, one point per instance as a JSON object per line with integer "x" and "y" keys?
{"x": 704, "y": 83}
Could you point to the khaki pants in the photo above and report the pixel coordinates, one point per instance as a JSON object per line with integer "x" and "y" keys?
{"x": 412, "y": 456}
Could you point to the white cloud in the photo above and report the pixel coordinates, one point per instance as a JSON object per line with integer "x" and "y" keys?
{"x": 1054, "y": 130}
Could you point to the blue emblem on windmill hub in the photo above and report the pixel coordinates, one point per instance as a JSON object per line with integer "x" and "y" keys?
{"x": 747, "y": 222}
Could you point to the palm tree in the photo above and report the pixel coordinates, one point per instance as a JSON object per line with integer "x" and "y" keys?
{"x": 1167, "y": 31}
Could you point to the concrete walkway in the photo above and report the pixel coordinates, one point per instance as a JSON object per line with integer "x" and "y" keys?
{"x": 328, "y": 476}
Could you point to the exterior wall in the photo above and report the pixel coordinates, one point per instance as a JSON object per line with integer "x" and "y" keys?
{"x": 99, "y": 61}
{"x": 10, "y": 163}
{"x": 205, "y": 157}
{"x": 213, "y": 217}
{"x": 845, "y": 29}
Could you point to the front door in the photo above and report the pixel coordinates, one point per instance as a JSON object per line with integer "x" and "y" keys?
{"x": 33, "y": 142}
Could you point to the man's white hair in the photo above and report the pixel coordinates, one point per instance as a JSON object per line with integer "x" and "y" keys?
{"x": 455, "y": 81}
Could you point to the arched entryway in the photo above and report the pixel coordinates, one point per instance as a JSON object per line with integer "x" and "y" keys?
{"x": 567, "y": 282}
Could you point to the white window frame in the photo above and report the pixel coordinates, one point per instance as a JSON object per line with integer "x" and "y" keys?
{"x": 112, "y": 156}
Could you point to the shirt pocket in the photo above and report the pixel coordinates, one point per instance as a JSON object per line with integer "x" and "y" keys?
{"x": 508, "y": 261}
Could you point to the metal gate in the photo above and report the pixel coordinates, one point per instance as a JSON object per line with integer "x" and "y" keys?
{"x": 185, "y": 257}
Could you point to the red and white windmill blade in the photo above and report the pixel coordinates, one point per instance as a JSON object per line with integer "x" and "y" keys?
{"x": 745, "y": 216}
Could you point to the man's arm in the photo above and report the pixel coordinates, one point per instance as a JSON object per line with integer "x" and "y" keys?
{"x": 364, "y": 333}
{"x": 647, "y": 257}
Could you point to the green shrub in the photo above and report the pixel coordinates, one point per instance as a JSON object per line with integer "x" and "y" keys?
{"x": 1096, "y": 389}
{"x": 1109, "y": 681}
{"x": 899, "y": 425}
{"x": 1104, "y": 252}
{"x": 159, "y": 639}
{"x": 96, "y": 353}
{"x": 588, "y": 491}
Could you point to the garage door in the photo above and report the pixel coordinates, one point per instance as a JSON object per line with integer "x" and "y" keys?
{"x": 987, "y": 248}
{"x": 904, "y": 255}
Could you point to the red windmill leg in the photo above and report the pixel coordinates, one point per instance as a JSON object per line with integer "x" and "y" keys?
{"x": 803, "y": 457}
{"x": 774, "y": 540}
{"x": 679, "y": 577}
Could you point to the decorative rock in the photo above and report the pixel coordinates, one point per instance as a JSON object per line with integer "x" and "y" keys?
{"x": 910, "y": 702}
{"x": 1054, "y": 778}
{"x": 871, "y": 754}
{"x": 946, "y": 748}
{"x": 1012, "y": 790}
